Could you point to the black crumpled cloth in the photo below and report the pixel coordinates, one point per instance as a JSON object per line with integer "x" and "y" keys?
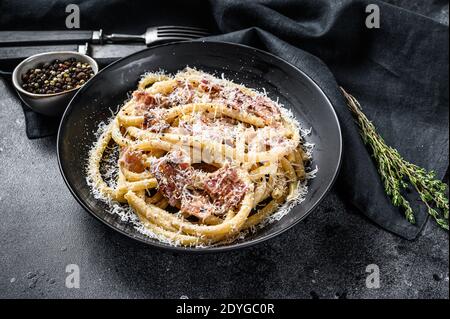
{"x": 36, "y": 125}
{"x": 399, "y": 73}
{"x": 39, "y": 125}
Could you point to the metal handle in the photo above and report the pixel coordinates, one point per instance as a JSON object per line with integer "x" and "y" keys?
{"x": 17, "y": 38}
{"x": 118, "y": 37}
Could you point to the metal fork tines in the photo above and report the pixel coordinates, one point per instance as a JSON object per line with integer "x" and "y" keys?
{"x": 182, "y": 31}
{"x": 162, "y": 33}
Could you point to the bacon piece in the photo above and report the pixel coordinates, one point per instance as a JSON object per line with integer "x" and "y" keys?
{"x": 146, "y": 101}
{"x": 196, "y": 204}
{"x": 183, "y": 93}
{"x": 195, "y": 192}
{"x": 264, "y": 108}
{"x": 143, "y": 97}
{"x": 260, "y": 106}
{"x": 208, "y": 87}
{"x": 173, "y": 174}
{"x": 225, "y": 188}
{"x": 132, "y": 160}
{"x": 154, "y": 123}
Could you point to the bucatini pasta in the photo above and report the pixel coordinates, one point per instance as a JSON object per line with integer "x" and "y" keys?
{"x": 200, "y": 160}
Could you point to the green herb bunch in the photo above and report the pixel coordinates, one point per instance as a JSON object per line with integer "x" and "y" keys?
{"x": 398, "y": 174}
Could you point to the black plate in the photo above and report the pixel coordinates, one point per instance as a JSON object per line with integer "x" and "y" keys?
{"x": 242, "y": 64}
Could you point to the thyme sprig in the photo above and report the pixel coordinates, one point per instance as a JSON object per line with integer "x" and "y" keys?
{"x": 397, "y": 174}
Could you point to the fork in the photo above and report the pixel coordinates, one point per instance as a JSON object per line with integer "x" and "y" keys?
{"x": 158, "y": 34}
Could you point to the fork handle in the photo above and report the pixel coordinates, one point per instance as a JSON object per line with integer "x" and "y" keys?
{"x": 29, "y": 38}
{"x": 118, "y": 37}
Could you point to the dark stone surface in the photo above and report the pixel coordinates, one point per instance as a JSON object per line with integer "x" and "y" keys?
{"x": 43, "y": 229}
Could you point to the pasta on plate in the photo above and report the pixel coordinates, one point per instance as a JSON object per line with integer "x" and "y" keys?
{"x": 199, "y": 159}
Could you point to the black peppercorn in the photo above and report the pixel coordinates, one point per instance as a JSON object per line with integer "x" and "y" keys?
{"x": 56, "y": 76}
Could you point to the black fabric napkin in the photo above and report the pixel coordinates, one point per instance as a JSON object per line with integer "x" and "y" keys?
{"x": 399, "y": 73}
{"x": 37, "y": 125}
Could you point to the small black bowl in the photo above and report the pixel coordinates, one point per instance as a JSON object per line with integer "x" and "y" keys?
{"x": 48, "y": 104}
{"x": 254, "y": 68}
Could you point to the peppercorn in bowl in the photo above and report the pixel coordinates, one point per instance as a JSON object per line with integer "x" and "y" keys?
{"x": 46, "y": 82}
